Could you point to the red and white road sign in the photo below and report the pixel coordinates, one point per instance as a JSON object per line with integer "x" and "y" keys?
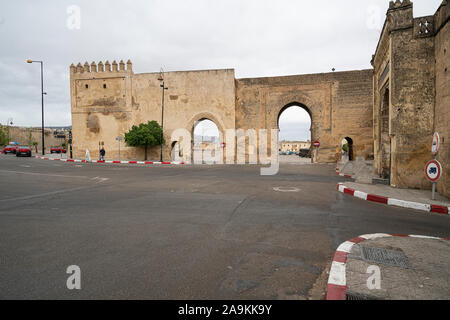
{"x": 316, "y": 144}
{"x": 436, "y": 143}
{"x": 223, "y": 144}
{"x": 433, "y": 170}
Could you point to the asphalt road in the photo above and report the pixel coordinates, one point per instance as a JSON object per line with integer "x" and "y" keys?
{"x": 180, "y": 232}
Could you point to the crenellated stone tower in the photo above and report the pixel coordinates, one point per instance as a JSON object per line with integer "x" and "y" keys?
{"x": 411, "y": 100}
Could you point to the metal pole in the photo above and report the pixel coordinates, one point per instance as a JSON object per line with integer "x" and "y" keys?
{"x": 162, "y": 121}
{"x": 42, "y": 100}
{"x": 119, "y": 149}
{"x": 433, "y": 192}
{"x": 390, "y": 160}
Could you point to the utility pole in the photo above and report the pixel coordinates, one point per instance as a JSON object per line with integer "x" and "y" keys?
{"x": 42, "y": 101}
{"x": 161, "y": 78}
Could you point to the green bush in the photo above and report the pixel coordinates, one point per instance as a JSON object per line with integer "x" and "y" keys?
{"x": 145, "y": 135}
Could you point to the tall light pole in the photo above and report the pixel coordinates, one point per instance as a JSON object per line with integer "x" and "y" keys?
{"x": 9, "y": 124}
{"x": 42, "y": 100}
{"x": 161, "y": 78}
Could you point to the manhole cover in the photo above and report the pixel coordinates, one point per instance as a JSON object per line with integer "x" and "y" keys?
{"x": 391, "y": 258}
{"x": 286, "y": 189}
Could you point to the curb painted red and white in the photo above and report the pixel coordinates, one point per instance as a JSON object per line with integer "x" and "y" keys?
{"x": 344, "y": 175}
{"x": 112, "y": 161}
{"x": 337, "y": 281}
{"x": 393, "y": 202}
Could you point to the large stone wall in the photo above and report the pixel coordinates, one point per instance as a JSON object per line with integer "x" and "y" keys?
{"x": 340, "y": 105}
{"x": 26, "y": 136}
{"x": 412, "y": 99}
{"x": 442, "y": 109}
{"x": 107, "y": 102}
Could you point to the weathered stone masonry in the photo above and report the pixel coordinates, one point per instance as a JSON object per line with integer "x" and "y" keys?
{"x": 107, "y": 103}
{"x": 411, "y": 95}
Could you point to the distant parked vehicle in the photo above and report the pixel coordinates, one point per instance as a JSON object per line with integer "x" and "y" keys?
{"x": 10, "y": 149}
{"x": 23, "y": 151}
{"x": 305, "y": 153}
{"x": 57, "y": 150}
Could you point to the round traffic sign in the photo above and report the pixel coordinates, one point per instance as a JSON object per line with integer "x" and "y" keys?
{"x": 433, "y": 170}
{"x": 436, "y": 144}
{"x": 316, "y": 144}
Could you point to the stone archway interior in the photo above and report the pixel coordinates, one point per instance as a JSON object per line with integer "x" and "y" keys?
{"x": 206, "y": 139}
{"x": 295, "y": 125}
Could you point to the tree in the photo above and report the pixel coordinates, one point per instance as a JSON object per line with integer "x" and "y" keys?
{"x": 146, "y": 135}
{"x": 345, "y": 147}
{"x": 3, "y": 136}
{"x": 35, "y": 145}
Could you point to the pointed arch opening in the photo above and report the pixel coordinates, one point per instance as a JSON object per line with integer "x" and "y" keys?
{"x": 295, "y": 131}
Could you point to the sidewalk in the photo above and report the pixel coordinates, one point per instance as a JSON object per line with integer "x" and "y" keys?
{"x": 410, "y": 268}
{"x": 408, "y": 198}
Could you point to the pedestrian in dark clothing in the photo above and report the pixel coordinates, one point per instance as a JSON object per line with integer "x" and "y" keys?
{"x": 102, "y": 154}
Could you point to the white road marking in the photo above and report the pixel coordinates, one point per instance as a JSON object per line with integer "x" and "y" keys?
{"x": 43, "y": 174}
{"x": 286, "y": 189}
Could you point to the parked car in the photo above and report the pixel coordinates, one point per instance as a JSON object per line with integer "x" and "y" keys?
{"x": 23, "y": 151}
{"x": 57, "y": 150}
{"x": 10, "y": 149}
{"x": 305, "y": 153}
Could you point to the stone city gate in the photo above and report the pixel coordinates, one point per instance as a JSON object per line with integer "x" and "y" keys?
{"x": 107, "y": 101}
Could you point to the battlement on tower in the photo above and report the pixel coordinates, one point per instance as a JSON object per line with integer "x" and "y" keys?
{"x": 101, "y": 67}
{"x": 399, "y": 4}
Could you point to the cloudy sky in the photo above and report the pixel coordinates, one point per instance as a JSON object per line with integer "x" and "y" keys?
{"x": 255, "y": 37}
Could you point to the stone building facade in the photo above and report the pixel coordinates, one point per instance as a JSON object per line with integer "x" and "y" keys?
{"x": 389, "y": 113}
{"x": 411, "y": 95}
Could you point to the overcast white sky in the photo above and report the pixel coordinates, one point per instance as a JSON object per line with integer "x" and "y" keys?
{"x": 255, "y": 37}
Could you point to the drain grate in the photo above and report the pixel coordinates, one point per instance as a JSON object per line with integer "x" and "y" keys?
{"x": 359, "y": 296}
{"x": 391, "y": 258}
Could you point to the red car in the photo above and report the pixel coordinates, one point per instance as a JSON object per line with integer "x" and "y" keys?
{"x": 10, "y": 149}
{"x": 57, "y": 150}
{"x": 23, "y": 151}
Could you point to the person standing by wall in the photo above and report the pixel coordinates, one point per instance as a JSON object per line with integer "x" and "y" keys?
{"x": 102, "y": 154}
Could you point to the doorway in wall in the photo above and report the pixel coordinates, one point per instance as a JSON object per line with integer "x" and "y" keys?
{"x": 294, "y": 137}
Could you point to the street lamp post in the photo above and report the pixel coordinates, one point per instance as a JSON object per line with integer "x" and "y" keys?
{"x": 161, "y": 78}
{"x": 9, "y": 124}
{"x": 42, "y": 100}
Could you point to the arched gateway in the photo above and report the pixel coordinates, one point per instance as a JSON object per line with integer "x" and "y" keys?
{"x": 105, "y": 104}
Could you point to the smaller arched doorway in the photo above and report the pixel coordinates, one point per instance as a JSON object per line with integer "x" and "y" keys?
{"x": 347, "y": 149}
{"x": 175, "y": 152}
{"x": 206, "y": 144}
